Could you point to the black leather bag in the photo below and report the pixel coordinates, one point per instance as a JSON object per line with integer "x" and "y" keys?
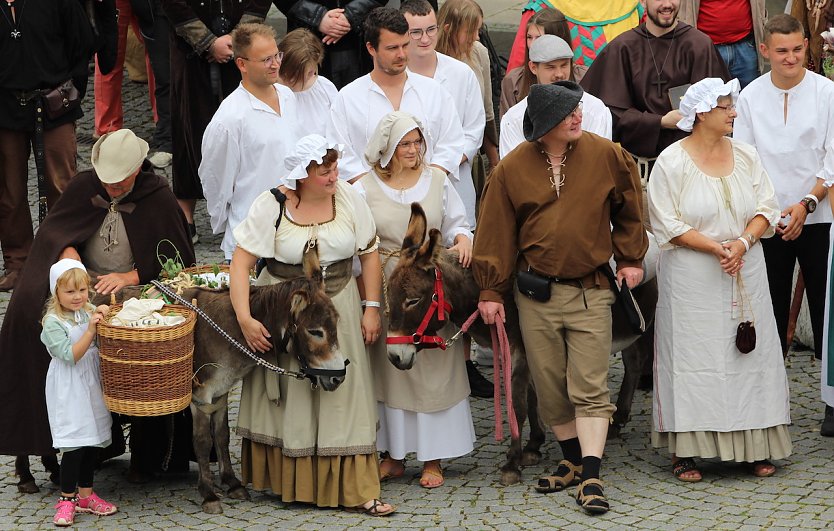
{"x": 746, "y": 337}
{"x": 61, "y": 100}
{"x": 533, "y": 286}
{"x": 627, "y": 302}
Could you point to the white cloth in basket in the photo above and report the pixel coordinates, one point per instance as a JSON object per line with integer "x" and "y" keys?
{"x": 144, "y": 313}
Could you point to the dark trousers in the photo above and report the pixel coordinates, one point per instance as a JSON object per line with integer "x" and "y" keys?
{"x": 15, "y": 219}
{"x": 77, "y": 468}
{"x": 811, "y": 250}
{"x": 159, "y": 53}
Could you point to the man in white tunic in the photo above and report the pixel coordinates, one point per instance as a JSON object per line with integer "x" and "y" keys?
{"x": 789, "y": 117}
{"x": 251, "y": 133}
{"x": 456, "y": 77}
{"x": 551, "y": 60}
{"x": 360, "y": 105}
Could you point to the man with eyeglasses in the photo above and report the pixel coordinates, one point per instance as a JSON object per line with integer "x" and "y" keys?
{"x": 551, "y": 60}
{"x": 251, "y": 133}
{"x": 560, "y": 205}
{"x": 788, "y": 115}
{"x": 358, "y": 107}
{"x": 457, "y": 78}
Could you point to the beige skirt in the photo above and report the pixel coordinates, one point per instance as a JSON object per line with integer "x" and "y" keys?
{"x": 745, "y": 446}
{"x": 327, "y": 481}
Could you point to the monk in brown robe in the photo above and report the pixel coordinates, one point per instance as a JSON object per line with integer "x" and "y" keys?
{"x": 633, "y": 76}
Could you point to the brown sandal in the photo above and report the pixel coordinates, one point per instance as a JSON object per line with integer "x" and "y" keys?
{"x": 762, "y": 469}
{"x": 684, "y": 465}
{"x": 393, "y": 464}
{"x": 592, "y": 503}
{"x": 431, "y": 471}
{"x": 374, "y": 509}
{"x": 566, "y": 475}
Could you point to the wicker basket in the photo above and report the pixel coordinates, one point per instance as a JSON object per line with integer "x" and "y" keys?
{"x": 146, "y": 372}
{"x": 197, "y": 270}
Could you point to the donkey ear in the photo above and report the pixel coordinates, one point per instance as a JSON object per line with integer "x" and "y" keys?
{"x": 430, "y": 251}
{"x": 311, "y": 264}
{"x": 416, "y": 232}
{"x": 298, "y": 301}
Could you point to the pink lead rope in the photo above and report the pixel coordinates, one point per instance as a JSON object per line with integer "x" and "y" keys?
{"x": 502, "y": 365}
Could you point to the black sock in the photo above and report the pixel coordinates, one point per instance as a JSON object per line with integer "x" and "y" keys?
{"x": 572, "y": 451}
{"x": 590, "y": 467}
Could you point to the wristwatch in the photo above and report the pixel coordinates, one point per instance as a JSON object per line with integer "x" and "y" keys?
{"x": 809, "y": 202}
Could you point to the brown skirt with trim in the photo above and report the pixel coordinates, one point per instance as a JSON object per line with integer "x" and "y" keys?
{"x": 326, "y": 481}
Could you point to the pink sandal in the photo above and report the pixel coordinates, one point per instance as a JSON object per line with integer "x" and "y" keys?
{"x": 95, "y": 505}
{"x": 64, "y": 513}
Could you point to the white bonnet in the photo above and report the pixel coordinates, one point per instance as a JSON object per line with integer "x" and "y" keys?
{"x": 59, "y": 268}
{"x": 390, "y": 130}
{"x": 308, "y": 149}
{"x": 703, "y": 97}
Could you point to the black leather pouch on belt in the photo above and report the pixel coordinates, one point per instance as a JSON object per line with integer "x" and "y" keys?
{"x": 534, "y": 286}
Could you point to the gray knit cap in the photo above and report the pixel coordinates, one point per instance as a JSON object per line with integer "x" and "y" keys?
{"x": 548, "y": 105}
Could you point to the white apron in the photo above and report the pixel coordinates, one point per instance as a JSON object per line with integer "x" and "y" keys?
{"x": 74, "y": 400}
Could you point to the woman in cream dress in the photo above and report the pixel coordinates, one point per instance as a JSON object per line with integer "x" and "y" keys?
{"x": 424, "y": 410}
{"x": 710, "y": 201}
{"x": 309, "y": 445}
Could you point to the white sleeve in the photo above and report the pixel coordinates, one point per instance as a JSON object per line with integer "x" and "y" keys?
{"x": 663, "y": 193}
{"x": 827, "y": 170}
{"x": 743, "y": 124}
{"x": 256, "y": 233}
{"x": 448, "y": 142}
{"x": 472, "y": 117}
{"x": 511, "y": 136}
{"x": 218, "y": 171}
{"x": 338, "y": 130}
{"x": 455, "y": 220}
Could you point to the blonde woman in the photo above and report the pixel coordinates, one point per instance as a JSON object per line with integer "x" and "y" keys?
{"x": 424, "y": 410}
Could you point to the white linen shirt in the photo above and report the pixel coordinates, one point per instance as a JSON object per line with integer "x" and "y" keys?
{"x": 459, "y": 79}
{"x": 795, "y": 151}
{"x": 244, "y": 147}
{"x": 361, "y": 104}
{"x": 596, "y": 118}
{"x": 314, "y": 107}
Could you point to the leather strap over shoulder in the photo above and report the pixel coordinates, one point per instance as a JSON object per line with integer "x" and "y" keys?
{"x": 281, "y": 197}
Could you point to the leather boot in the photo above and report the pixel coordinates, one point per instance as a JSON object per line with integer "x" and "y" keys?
{"x": 827, "y": 428}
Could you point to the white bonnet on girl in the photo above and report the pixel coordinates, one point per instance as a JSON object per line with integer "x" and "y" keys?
{"x": 59, "y": 268}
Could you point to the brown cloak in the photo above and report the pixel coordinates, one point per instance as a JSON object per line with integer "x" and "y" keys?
{"x": 24, "y": 427}
{"x": 624, "y": 77}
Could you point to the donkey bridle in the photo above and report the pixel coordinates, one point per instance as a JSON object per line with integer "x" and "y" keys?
{"x": 289, "y": 336}
{"x": 441, "y": 307}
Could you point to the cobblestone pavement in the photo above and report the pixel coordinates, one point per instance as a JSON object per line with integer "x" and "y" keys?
{"x": 642, "y": 491}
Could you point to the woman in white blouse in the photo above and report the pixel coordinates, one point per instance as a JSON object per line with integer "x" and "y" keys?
{"x": 302, "y": 54}
{"x": 424, "y": 410}
{"x": 307, "y": 445}
{"x": 710, "y": 200}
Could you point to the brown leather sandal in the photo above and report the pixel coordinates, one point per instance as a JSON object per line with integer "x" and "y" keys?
{"x": 431, "y": 470}
{"x": 374, "y": 509}
{"x": 390, "y": 468}
{"x": 592, "y": 503}
{"x": 566, "y": 475}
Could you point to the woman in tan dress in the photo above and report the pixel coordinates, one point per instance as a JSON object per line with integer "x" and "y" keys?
{"x": 424, "y": 410}
{"x": 308, "y": 445}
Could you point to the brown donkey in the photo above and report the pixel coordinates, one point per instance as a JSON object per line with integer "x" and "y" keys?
{"x": 409, "y": 293}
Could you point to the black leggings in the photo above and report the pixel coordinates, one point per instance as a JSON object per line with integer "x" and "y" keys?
{"x": 77, "y": 468}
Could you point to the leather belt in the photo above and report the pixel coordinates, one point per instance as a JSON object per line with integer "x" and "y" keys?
{"x": 591, "y": 280}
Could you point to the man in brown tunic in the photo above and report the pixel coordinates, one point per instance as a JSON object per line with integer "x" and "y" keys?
{"x": 554, "y": 211}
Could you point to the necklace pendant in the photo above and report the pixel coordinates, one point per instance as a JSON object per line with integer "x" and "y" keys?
{"x": 16, "y": 34}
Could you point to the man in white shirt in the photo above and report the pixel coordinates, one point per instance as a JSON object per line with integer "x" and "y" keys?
{"x": 360, "y": 105}
{"x": 788, "y": 116}
{"x": 457, "y": 78}
{"x": 251, "y": 133}
{"x": 551, "y": 60}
